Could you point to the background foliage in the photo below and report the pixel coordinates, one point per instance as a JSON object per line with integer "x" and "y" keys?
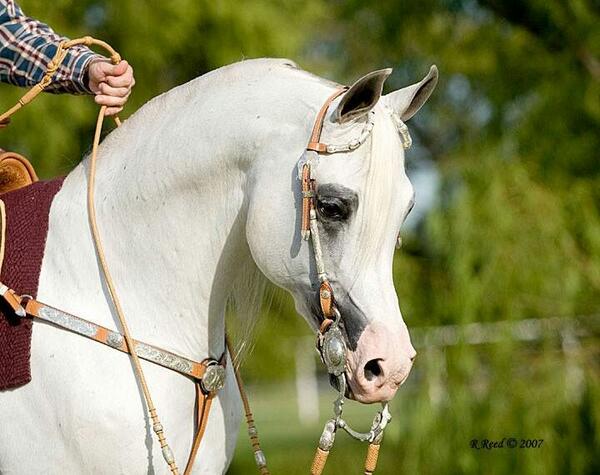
{"x": 509, "y": 144}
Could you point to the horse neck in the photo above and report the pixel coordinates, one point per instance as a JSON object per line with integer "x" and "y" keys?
{"x": 172, "y": 197}
{"x": 172, "y": 221}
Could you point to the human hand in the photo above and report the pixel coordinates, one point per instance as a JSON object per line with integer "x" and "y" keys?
{"x": 111, "y": 83}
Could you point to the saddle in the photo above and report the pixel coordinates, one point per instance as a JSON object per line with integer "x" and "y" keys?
{"x": 15, "y": 172}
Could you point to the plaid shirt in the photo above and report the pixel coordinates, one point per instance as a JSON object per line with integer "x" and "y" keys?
{"x": 26, "y": 48}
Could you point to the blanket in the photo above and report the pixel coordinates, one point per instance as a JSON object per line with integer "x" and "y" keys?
{"x": 26, "y": 213}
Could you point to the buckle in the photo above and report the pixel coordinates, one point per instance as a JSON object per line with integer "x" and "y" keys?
{"x": 214, "y": 377}
{"x": 13, "y": 300}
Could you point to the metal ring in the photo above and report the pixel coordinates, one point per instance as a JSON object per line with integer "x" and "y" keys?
{"x": 25, "y": 299}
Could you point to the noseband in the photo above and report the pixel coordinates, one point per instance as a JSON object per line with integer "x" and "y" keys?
{"x": 331, "y": 344}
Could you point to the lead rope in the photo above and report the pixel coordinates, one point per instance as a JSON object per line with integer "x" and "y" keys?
{"x": 157, "y": 427}
{"x": 29, "y": 96}
{"x": 156, "y": 424}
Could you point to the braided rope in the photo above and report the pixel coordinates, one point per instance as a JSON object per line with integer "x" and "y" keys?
{"x": 156, "y": 425}
{"x": 371, "y": 458}
{"x": 318, "y": 464}
{"x": 259, "y": 456}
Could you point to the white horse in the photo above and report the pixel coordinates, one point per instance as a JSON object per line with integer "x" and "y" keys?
{"x": 197, "y": 196}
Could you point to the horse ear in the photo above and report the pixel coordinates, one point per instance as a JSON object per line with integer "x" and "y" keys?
{"x": 362, "y": 96}
{"x": 407, "y": 101}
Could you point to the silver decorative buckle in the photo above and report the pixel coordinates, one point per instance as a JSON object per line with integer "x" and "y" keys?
{"x": 214, "y": 377}
{"x": 333, "y": 347}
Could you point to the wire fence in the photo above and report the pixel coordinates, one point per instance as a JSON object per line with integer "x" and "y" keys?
{"x": 532, "y": 329}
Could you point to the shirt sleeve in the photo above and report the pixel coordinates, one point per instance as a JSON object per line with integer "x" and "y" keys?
{"x": 26, "y": 48}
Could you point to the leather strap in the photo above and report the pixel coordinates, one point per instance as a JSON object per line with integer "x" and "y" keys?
{"x": 12, "y": 300}
{"x": 307, "y": 200}
{"x": 93, "y": 331}
{"x": 314, "y": 143}
{"x": 326, "y": 299}
{"x": 203, "y": 402}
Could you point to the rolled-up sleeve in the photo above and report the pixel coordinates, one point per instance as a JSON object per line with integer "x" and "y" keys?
{"x": 26, "y": 48}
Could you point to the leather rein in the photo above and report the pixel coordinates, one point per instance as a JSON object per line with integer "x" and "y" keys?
{"x": 209, "y": 375}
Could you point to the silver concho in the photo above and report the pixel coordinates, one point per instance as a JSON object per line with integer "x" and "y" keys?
{"x": 115, "y": 339}
{"x": 214, "y": 378}
{"x": 334, "y": 351}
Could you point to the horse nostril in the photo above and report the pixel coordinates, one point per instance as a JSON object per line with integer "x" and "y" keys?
{"x": 372, "y": 370}
{"x": 412, "y": 358}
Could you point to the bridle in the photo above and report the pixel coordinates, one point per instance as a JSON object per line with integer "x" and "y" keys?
{"x": 209, "y": 375}
{"x": 331, "y": 344}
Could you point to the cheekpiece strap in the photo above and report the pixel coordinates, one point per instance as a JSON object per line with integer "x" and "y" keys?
{"x": 314, "y": 145}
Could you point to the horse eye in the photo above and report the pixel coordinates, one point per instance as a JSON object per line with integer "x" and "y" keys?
{"x": 332, "y": 208}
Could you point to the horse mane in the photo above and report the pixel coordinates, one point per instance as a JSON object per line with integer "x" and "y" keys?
{"x": 379, "y": 190}
{"x": 244, "y": 305}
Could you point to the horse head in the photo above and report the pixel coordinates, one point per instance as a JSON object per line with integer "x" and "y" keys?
{"x": 362, "y": 196}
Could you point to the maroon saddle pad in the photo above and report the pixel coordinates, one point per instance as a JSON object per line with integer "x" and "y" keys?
{"x": 26, "y": 227}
